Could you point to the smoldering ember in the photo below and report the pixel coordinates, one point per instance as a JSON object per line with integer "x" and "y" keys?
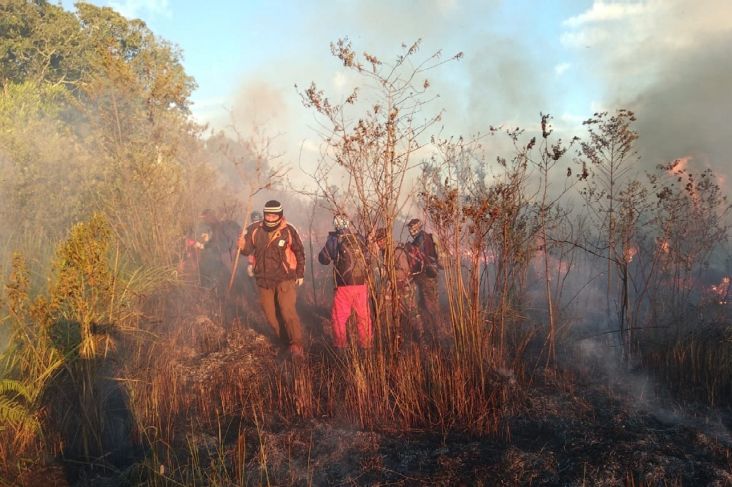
{"x": 402, "y": 271}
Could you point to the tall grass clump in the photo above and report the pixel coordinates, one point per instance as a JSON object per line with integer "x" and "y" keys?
{"x": 59, "y": 369}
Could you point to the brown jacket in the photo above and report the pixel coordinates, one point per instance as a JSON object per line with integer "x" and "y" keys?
{"x": 401, "y": 265}
{"x": 402, "y": 269}
{"x": 279, "y": 254}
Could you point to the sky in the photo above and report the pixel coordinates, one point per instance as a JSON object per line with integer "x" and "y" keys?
{"x": 668, "y": 60}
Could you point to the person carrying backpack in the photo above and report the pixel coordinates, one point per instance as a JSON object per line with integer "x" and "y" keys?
{"x": 425, "y": 262}
{"x": 279, "y": 269}
{"x": 347, "y": 252}
{"x": 410, "y": 321}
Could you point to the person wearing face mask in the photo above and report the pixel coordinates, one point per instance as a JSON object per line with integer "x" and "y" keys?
{"x": 424, "y": 251}
{"x": 346, "y": 250}
{"x": 279, "y": 269}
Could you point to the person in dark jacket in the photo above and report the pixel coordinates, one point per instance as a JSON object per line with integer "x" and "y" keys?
{"x": 402, "y": 279}
{"x": 347, "y": 252}
{"x": 425, "y": 278}
{"x": 279, "y": 268}
{"x": 216, "y": 241}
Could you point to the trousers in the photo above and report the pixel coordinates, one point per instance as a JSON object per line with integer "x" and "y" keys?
{"x": 278, "y": 305}
{"x": 347, "y": 299}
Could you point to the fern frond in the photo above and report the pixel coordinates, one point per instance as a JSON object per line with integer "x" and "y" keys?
{"x": 15, "y": 388}
{"x": 18, "y": 416}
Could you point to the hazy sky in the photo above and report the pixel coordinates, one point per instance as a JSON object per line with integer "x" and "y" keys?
{"x": 666, "y": 59}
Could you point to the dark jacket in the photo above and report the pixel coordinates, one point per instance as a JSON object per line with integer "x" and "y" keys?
{"x": 425, "y": 244}
{"x": 347, "y": 251}
{"x": 279, "y": 254}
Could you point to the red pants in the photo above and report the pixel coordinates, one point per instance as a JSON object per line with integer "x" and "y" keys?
{"x": 346, "y": 299}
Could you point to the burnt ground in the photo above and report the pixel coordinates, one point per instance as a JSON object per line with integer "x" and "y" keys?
{"x": 587, "y": 434}
{"x": 564, "y": 432}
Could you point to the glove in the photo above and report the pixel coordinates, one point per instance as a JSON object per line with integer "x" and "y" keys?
{"x": 240, "y": 243}
{"x": 299, "y": 281}
{"x": 250, "y": 270}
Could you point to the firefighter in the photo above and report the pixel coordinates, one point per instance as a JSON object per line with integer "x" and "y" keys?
{"x": 279, "y": 269}
{"x": 347, "y": 252}
{"x": 408, "y": 314}
{"x": 424, "y": 253}
{"x": 216, "y": 241}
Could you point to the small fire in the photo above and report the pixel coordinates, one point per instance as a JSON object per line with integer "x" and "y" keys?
{"x": 721, "y": 291}
{"x": 664, "y": 246}
{"x": 679, "y": 165}
{"x": 630, "y": 252}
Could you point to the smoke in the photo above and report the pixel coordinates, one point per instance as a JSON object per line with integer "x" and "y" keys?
{"x": 494, "y": 82}
{"x": 261, "y": 105}
{"x": 685, "y": 113}
{"x": 503, "y": 87}
{"x": 669, "y": 62}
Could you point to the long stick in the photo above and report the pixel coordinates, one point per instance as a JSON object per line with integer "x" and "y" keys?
{"x": 233, "y": 268}
{"x": 238, "y": 252}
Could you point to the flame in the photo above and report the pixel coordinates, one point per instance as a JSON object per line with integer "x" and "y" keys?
{"x": 679, "y": 165}
{"x": 664, "y": 246}
{"x": 720, "y": 291}
{"x": 629, "y": 252}
{"x": 721, "y": 181}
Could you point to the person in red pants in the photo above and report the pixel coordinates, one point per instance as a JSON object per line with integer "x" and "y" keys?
{"x": 347, "y": 252}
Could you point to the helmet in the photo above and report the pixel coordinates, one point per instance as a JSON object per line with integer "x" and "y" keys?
{"x": 340, "y": 221}
{"x": 415, "y": 226}
{"x": 273, "y": 207}
{"x": 255, "y": 216}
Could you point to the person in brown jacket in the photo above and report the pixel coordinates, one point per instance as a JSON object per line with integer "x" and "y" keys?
{"x": 279, "y": 268}
{"x": 406, "y": 304}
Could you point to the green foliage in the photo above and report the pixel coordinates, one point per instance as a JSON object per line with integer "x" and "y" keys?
{"x": 27, "y": 363}
{"x": 39, "y": 42}
{"x": 96, "y": 103}
{"x": 29, "y": 355}
{"x": 91, "y": 294}
{"x": 38, "y": 154}
{"x": 82, "y": 291}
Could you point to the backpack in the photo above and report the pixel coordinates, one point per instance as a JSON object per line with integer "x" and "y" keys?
{"x": 350, "y": 262}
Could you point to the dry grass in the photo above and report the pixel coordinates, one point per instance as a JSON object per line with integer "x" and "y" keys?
{"x": 213, "y": 404}
{"x": 694, "y": 363}
{"x": 216, "y": 406}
